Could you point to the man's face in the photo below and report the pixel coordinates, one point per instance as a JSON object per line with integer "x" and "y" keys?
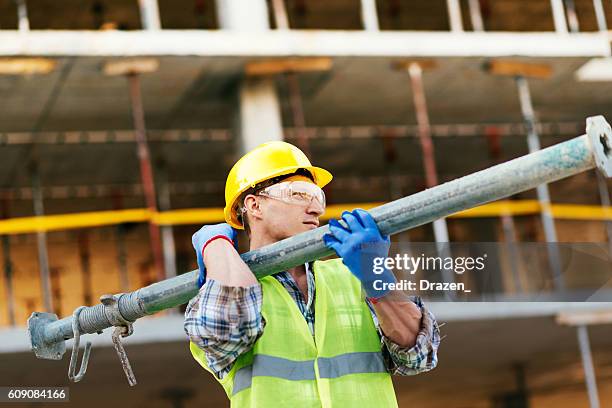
{"x": 280, "y": 220}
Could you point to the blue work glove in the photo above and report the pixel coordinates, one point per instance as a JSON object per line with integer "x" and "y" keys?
{"x": 358, "y": 246}
{"x": 207, "y": 234}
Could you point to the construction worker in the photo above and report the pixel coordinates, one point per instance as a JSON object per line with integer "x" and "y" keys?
{"x": 309, "y": 336}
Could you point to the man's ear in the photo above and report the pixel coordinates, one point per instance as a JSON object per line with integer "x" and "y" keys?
{"x": 251, "y": 204}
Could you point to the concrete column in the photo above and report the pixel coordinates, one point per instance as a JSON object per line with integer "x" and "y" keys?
{"x": 260, "y": 114}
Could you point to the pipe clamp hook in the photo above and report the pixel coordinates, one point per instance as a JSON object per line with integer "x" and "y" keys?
{"x": 123, "y": 328}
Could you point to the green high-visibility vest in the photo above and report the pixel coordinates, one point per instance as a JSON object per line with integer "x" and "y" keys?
{"x": 341, "y": 367}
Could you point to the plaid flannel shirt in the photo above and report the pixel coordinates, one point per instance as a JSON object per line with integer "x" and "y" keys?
{"x": 226, "y": 322}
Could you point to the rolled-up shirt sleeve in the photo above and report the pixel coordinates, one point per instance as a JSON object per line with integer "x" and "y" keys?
{"x": 421, "y": 357}
{"x": 225, "y": 322}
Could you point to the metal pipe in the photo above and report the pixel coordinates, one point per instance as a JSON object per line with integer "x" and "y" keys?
{"x": 454, "y": 15}
{"x": 429, "y": 162}
{"x": 604, "y": 196}
{"x": 8, "y": 269}
{"x": 22, "y": 16}
{"x": 476, "y": 15}
{"x": 369, "y": 15}
{"x": 41, "y": 240}
{"x": 124, "y": 279}
{"x": 297, "y": 111}
{"x": 572, "y": 17}
{"x": 559, "y": 16}
{"x": 149, "y": 14}
{"x": 146, "y": 170}
{"x": 120, "y": 136}
{"x": 280, "y": 14}
{"x": 493, "y": 138}
{"x": 166, "y": 230}
{"x": 600, "y": 15}
{"x": 420, "y": 106}
{"x": 513, "y": 255}
{"x": 85, "y": 261}
{"x": 395, "y": 184}
{"x": 562, "y": 160}
{"x": 533, "y": 142}
{"x": 587, "y": 364}
{"x": 8, "y": 279}
{"x": 124, "y": 282}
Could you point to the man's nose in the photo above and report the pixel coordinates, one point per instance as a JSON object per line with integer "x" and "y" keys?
{"x": 315, "y": 207}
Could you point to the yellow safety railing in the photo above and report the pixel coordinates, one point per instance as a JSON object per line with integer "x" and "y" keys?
{"x": 25, "y": 225}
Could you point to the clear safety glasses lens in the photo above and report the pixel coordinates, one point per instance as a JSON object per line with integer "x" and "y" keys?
{"x": 295, "y": 192}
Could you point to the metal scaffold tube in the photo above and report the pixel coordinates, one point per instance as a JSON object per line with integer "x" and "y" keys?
{"x": 48, "y": 334}
{"x": 533, "y": 143}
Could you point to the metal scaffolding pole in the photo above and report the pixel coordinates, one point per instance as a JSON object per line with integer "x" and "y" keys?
{"x": 476, "y": 15}
{"x": 124, "y": 281}
{"x": 8, "y": 279}
{"x": 41, "y": 240}
{"x": 369, "y": 15}
{"x": 513, "y": 255}
{"x": 22, "y": 16}
{"x": 454, "y": 15}
{"x": 8, "y": 269}
{"x": 493, "y": 140}
{"x": 149, "y": 14}
{"x": 600, "y": 15}
{"x": 559, "y": 16}
{"x": 166, "y": 230}
{"x": 572, "y": 17}
{"x": 85, "y": 261}
{"x": 132, "y": 69}
{"x": 48, "y": 334}
{"x": 533, "y": 141}
{"x": 581, "y": 320}
{"x": 395, "y": 184}
{"x": 297, "y": 111}
{"x": 587, "y": 364}
{"x": 146, "y": 170}
{"x": 429, "y": 162}
{"x": 280, "y": 14}
{"x": 604, "y": 195}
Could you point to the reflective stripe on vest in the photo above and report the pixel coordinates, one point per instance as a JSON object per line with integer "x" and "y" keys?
{"x": 329, "y": 367}
{"x": 351, "y": 363}
{"x": 271, "y": 366}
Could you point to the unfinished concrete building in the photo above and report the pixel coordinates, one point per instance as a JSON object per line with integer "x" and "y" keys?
{"x": 119, "y": 121}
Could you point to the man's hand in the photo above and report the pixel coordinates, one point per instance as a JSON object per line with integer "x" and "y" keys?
{"x": 206, "y": 235}
{"x": 359, "y": 246}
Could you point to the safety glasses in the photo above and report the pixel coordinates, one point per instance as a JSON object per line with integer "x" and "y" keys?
{"x": 295, "y": 192}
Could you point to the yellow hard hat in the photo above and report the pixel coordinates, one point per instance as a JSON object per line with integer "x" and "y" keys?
{"x": 266, "y": 161}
